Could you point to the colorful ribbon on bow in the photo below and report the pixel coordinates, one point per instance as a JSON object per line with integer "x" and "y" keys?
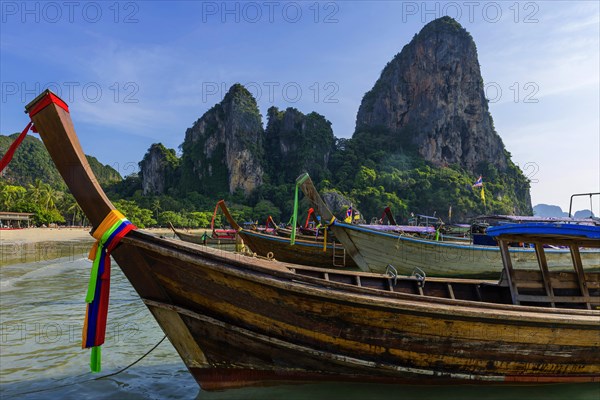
{"x": 108, "y": 234}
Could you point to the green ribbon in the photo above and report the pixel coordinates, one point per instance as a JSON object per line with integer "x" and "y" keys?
{"x": 299, "y": 182}
{"x": 294, "y": 217}
{"x": 96, "y": 265}
{"x": 96, "y": 359}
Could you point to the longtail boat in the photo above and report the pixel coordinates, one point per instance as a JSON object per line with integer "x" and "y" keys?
{"x": 306, "y": 232}
{"x": 323, "y": 253}
{"x": 216, "y": 237}
{"x": 373, "y": 250}
{"x": 203, "y": 239}
{"x": 238, "y": 321}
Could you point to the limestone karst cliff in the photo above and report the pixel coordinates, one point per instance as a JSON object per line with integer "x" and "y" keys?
{"x": 222, "y": 151}
{"x": 158, "y": 169}
{"x": 431, "y": 96}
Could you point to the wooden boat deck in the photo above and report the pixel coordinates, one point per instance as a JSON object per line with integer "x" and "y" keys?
{"x": 487, "y": 292}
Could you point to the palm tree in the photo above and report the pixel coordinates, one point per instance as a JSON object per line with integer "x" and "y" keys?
{"x": 48, "y": 196}
{"x": 72, "y": 207}
{"x": 156, "y": 207}
{"x": 11, "y": 196}
{"x": 7, "y": 196}
{"x": 43, "y": 194}
{"x": 35, "y": 191}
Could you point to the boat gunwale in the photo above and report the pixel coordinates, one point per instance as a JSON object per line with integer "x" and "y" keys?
{"x": 473, "y": 247}
{"x": 284, "y": 240}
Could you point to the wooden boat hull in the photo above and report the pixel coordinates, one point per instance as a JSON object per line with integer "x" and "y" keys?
{"x": 302, "y": 252}
{"x": 373, "y": 251}
{"x": 237, "y": 322}
{"x": 202, "y": 239}
{"x": 287, "y": 233}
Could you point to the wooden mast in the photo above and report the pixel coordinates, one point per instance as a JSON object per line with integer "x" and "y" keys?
{"x": 55, "y": 127}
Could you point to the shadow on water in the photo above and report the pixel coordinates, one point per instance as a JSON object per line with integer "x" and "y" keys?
{"x": 174, "y": 382}
{"x": 356, "y": 391}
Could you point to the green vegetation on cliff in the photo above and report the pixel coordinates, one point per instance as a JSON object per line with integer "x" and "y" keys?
{"x": 297, "y": 143}
{"x": 375, "y": 174}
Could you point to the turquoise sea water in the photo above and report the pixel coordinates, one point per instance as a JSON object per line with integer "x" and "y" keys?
{"x": 41, "y": 313}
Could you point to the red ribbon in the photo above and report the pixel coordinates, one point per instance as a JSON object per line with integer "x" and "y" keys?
{"x": 13, "y": 147}
{"x": 49, "y": 98}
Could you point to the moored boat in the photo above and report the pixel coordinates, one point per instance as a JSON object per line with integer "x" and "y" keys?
{"x": 204, "y": 238}
{"x": 322, "y": 253}
{"x": 374, "y": 250}
{"x": 240, "y": 321}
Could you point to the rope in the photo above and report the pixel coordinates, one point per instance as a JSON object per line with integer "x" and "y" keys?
{"x": 92, "y": 379}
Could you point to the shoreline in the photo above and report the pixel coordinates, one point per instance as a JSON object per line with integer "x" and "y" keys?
{"x": 26, "y": 245}
{"x": 38, "y": 235}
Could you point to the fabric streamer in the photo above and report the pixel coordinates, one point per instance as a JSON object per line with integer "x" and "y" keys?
{"x": 13, "y": 147}
{"x": 295, "y": 215}
{"x": 49, "y": 98}
{"x": 108, "y": 234}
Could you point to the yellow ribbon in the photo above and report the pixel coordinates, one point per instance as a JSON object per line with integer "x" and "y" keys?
{"x": 112, "y": 218}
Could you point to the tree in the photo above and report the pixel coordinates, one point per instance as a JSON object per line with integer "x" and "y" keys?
{"x": 264, "y": 209}
{"x": 156, "y": 207}
{"x": 200, "y": 219}
{"x": 173, "y": 217}
{"x": 72, "y": 208}
{"x": 141, "y": 217}
{"x": 11, "y": 196}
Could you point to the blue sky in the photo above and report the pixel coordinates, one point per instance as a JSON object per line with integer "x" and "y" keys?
{"x": 139, "y": 72}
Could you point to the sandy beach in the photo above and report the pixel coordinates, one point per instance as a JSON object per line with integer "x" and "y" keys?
{"x": 35, "y": 235}
{"x": 42, "y": 244}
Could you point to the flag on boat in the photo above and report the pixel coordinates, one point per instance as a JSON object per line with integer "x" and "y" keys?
{"x": 479, "y": 182}
{"x": 482, "y": 195}
{"x": 348, "y": 218}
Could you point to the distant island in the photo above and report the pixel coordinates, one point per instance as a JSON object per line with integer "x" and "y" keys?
{"x": 547, "y": 210}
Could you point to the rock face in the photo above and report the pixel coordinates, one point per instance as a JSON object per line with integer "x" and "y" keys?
{"x": 431, "y": 96}
{"x": 222, "y": 151}
{"x": 158, "y": 169}
{"x": 296, "y": 143}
